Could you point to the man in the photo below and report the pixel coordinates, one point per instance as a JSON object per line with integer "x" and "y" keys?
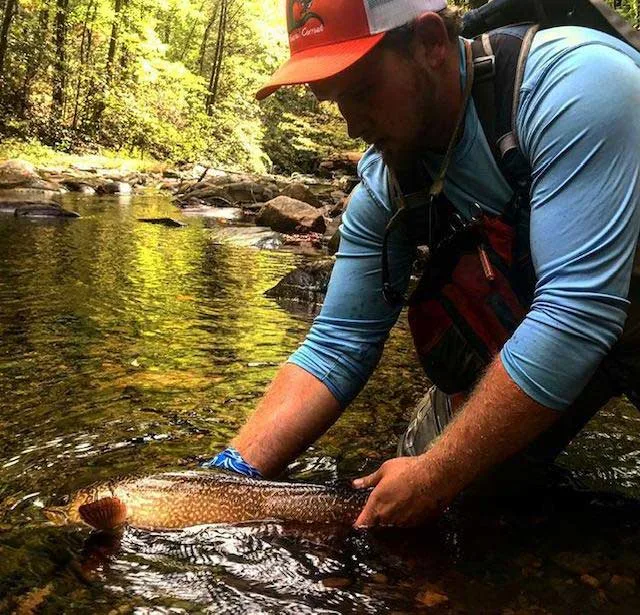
{"x": 399, "y": 74}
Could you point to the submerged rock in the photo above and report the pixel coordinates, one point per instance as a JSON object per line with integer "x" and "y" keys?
{"x": 44, "y": 210}
{"x": 217, "y": 213}
{"x": 168, "y": 222}
{"x": 306, "y": 284}
{"x": 287, "y": 215}
{"x": 248, "y": 236}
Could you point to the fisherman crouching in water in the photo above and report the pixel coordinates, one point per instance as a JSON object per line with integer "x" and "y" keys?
{"x": 527, "y": 317}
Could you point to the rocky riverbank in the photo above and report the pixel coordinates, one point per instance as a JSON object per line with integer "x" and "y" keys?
{"x": 300, "y": 212}
{"x": 306, "y": 210}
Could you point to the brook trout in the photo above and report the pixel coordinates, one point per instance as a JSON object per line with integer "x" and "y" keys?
{"x": 175, "y": 500}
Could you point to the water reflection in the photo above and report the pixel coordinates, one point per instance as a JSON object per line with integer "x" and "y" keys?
{"x": 129, "y": 347}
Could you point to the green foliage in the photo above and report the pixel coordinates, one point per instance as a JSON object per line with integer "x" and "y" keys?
{"x": 170, "y": 79}
{"x": 300, "y": 131}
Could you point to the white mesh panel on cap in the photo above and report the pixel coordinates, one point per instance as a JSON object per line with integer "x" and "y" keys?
{"x": 386, "y": 15}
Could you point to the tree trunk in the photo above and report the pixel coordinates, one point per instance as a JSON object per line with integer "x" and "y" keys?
{"x": 216, "y": 67}
{"x": 113, "y": 40}
{"x": 60, "y": 64}
{"x": 84, "y": 42}
{"x": 7, "y": 18}
{"x": 100, "y": 103}
{"x": 205, "y": 39}
{"x": 35, "y": 61}
{"x": 187, "y": 45}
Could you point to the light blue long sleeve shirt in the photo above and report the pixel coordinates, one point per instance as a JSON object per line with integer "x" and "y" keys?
{"x": 579, "y": 127}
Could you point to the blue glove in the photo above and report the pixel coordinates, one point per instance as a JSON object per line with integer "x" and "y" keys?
{"x": 231, "y": 459}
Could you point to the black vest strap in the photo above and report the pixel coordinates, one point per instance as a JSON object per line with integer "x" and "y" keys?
{"x": 499, "y": 59}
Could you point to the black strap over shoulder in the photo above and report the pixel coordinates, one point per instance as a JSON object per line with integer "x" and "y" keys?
{"x": 500, "y": 51}
{"x": 596, "y": 14}
{"x": 499, "y": 58}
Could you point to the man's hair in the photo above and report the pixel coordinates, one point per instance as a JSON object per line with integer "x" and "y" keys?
{"x": 400, "y": 38}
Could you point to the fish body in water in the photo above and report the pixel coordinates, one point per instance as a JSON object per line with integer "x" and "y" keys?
{"x": 175, "y": 500}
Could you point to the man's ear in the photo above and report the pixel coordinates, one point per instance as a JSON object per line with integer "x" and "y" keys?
{"x": 432, "y": 41}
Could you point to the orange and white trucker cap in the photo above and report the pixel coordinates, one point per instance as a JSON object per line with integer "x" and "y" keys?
{"x": 328, "y": 36}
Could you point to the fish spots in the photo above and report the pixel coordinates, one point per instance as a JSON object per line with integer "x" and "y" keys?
{"x": 181, "y": 499}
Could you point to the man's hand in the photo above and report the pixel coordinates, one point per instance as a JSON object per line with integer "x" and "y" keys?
{"x": 405, "y": 494}
{"x": 497, "y": 421}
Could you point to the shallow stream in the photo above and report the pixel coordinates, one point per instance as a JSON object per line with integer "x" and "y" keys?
{"x": 128, "y": 347}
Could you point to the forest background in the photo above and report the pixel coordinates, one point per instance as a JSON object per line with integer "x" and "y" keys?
{"x": 166, "y": 80}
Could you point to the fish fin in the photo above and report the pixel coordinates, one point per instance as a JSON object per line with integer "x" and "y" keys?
{"x": 104, "y": 514}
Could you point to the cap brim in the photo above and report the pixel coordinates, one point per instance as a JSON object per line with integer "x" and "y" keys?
{"x": 319, "y": 63}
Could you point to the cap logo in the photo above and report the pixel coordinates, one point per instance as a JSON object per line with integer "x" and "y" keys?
{"x": 298, "y": 15}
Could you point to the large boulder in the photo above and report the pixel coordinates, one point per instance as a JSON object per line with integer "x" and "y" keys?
{"x": 19, "y": 183}
{"x": 17, "y": 172}
{"x": 302, "y": 193}
{"x": 287, "y": 215}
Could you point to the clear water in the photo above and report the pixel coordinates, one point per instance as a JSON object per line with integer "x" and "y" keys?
{"x": 128, "y": 347}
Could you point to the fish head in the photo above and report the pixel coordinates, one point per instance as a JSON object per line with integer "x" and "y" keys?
{"x": 58, "y": 515}
{"x": 95, "y": 505}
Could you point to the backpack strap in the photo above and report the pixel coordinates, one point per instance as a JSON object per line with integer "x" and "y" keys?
{"x": 500, "y": 58}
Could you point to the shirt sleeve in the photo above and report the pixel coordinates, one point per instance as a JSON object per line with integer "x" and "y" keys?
{"x": 346, "y": 340}
{"x": 579, "y": 127}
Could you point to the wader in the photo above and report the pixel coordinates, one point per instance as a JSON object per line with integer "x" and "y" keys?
{"x": 477, "y": 285}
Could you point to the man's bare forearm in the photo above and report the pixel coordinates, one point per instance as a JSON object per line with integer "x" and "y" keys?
{"x": 296, "y": 410}
{"x": 498, "y": 421}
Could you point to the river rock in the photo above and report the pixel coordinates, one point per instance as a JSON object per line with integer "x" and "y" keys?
{"x": 217, "y": 213}
{"x": 81, "y": 187}
{"x": 248, "y": 192}
{"x": 621, "y": 588}
{"x": 302, "y": 193}
{"x": 248, "y": 236}
{"x": 44, "y": 210}
{"x": 19, "y": 183}
{"x": 17, "y": 172}
{"x": 114, "y": 188}
{"x": 333, "y": 235}
{"x": 306, "y": 284}
{"x": 207, "y": 194}
{"x": 168, "y": 222}
{"x": 348, "y": 183}
{"x": 345, "y": 163}
{"x": 288, "y": 215}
